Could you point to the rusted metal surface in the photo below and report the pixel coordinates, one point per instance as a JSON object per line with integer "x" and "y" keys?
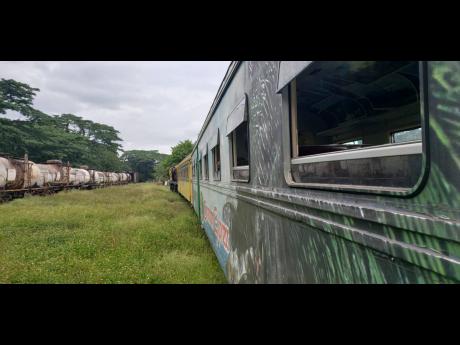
{"x": 20, "y": 176}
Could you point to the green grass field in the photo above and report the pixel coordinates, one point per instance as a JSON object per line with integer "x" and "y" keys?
{"x": 139, "y": 233}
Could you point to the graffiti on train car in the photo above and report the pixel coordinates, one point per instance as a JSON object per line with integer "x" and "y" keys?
{"x": 218, "y": 230}
{"x": 217, "y": 226}
{"x": 285, "y": 233}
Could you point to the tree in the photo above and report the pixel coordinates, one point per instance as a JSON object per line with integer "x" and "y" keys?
{"x": 16, "y": 96}
{"x": 67, "y": 137}
{"x": 144, "y": 162}
{"x": 178, "y": 153}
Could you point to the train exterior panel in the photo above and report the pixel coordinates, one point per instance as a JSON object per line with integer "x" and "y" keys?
{"x": 184, "y": 178}
{"x": 280, "y": 215}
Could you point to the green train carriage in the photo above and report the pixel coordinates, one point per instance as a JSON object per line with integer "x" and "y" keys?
{"x": 333, "y": 172}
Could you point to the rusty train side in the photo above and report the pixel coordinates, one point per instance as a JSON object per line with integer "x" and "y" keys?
{"x": 332, "y": 172}
{"x": 21, "y": 176}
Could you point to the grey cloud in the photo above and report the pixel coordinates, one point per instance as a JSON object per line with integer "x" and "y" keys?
{"x": 152, "y": 104}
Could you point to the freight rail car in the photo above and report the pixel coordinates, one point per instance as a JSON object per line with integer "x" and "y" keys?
{"x": 20, "y": 176}
{"x": 332, "y": 172}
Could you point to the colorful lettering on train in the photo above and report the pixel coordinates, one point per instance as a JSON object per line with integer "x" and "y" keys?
{"x": 219, "y": 231}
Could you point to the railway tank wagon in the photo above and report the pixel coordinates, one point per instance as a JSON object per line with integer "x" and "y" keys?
{"x": 79, "y": 177}
{"x": 333, "y": 172}
{"x": 18, "y": 174}
{"x": 10, "y": 176}
{"x": 21, "y": 176}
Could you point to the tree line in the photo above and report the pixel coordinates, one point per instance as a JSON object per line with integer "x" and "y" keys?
{"x": 72, "y": 138}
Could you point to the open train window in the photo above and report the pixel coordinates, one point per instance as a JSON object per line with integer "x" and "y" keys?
{"x": 206, "y": 166}
{"x": 238, "y": 134}
{"x": 193, "y": 168}
{"x": 214, "y": 146}
{"x": 356, "y": 124}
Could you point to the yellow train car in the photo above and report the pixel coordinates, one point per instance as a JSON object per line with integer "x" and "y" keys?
{"x": 184, "y": 177}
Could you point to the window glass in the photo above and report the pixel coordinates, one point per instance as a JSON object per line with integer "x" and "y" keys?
{"x": 240, "y": 145}
{"x": 341, "y": 107}
{"x": 216, "y": 162}
{"x": 354, "y": 142}
{"x": 339, "y": 101}
{"x": 407, "y": 135}
{"x": 206, "y": 168}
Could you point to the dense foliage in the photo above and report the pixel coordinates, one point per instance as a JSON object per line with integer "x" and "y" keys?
{"x": 144, "y": 162}
{"x": 178, "y": 153}
{"x": 67, "y": 137}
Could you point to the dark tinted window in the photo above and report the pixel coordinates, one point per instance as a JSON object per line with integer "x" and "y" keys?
{"x": 216, "y": 162}
{"x": 339, "y": 101}
{"x": 206, "y": 167}
{"x": 241, "y": 155}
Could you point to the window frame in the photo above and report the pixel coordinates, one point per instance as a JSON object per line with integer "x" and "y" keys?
{"x": 291, "y": 157}
{"x": 213, "y": 152}
{"x": 237, "y": 117}
{"x": 233, "y": 158}
{"x": 200, "y": 164}
{"x": 206, "y": 165}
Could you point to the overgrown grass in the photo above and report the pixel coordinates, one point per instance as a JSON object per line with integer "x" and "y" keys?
{"x": 138, "y": 233}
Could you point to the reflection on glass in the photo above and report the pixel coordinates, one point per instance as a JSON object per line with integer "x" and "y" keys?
{"x": 407, "y": 135}
{"x": 354, "y": 142}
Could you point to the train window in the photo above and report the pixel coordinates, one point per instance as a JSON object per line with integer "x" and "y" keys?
{"x": 214, "y": 146}
{"x": 238, "y": 134}
{"x": 356, "y": 124}
{"x": 200, "y": 170}
{"x": 206, "y": 166}
{"x": 413, "y": 134}
{"x": 216, "y": 162}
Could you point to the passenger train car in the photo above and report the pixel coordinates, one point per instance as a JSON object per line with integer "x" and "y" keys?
{"x": 184, "y": 178}
{"x": 331, "y": 172}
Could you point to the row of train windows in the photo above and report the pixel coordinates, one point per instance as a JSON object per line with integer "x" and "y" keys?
{"x": 183, "y": 173}
{"x": 354, "y": 123}
{"x": 238, "y": 141}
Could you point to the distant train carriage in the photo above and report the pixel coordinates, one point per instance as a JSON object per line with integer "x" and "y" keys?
{"x": 332, "y": 172}
{"x": 184, "y": 177}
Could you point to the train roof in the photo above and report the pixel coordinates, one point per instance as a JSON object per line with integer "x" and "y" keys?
{"x": 232, "y": 68}
{"x": 187, "y": 158}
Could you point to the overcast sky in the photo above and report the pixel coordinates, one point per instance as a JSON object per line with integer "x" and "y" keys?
{"x": 154, "y": 105}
